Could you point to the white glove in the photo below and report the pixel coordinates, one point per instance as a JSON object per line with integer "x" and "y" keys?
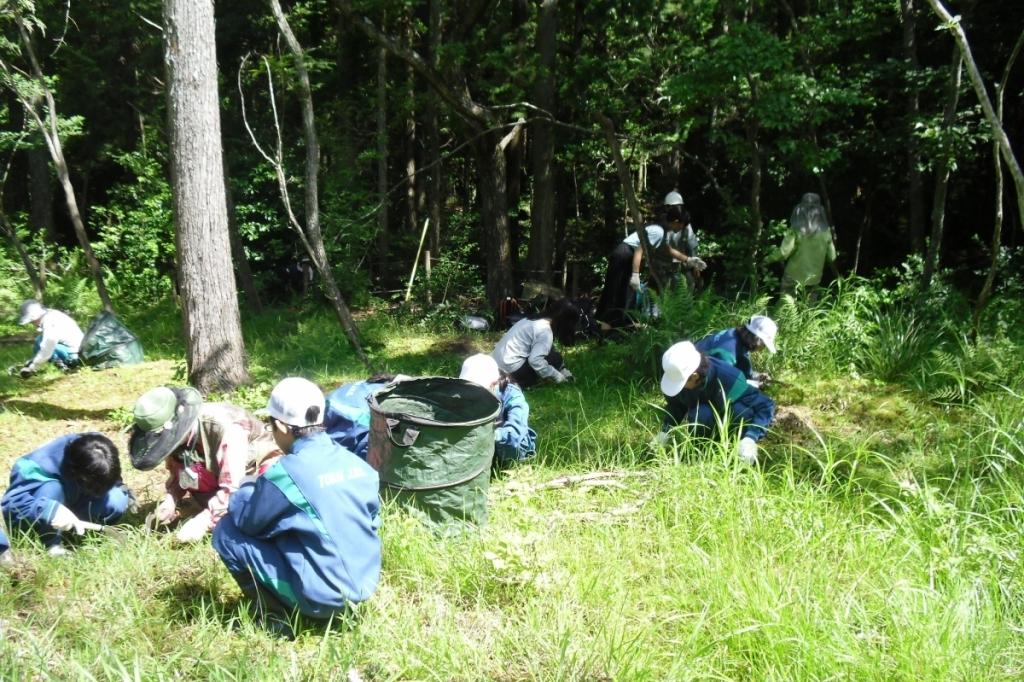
{"x": 634, "y": 281}
{"x": 57, "y": 550}
{"x": 748, "y": 451}
{"x": 661, "y": 438}
{"x": 695, "y": 263}
{"x": 567, "y": 375}
{"x": 64, "y": 519}
{"x": 195, "y": 529}
{"x": 754, "y": 382}
{"x": 167, "y": 511}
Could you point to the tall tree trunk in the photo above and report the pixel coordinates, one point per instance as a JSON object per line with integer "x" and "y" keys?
{"x": 215, "y": 349}
{"x": 756, "y": 220}
{"x": 492, "y": 169}
{"x": 26, "y": 260}
{"x": 997, "y": 228}
{"x": 412, "y": 203}
{"x": 41, "y": 193}
{"x": 382, "y": 165}
{"x": 542, "y": 208}
{"x": 314, "y": 241}
{"x": 942, "y": 172}
{"x": 243, "y": 273}
{"x": 915, "y": 184}
{"x": 996, "y": 125}
{"x": 433, "y": 133}
{"x": 53, "y": 145}
{"x": 513, "y": 191}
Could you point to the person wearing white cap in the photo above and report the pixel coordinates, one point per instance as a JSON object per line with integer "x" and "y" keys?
{"x": 514, "y": 440}
{"x": 59, "y": 339}
{"x": 625, "y": 260}
{"x": 734, "y": 346}
{"x": 304, "y": 535}
{"x": 700, "y": 390}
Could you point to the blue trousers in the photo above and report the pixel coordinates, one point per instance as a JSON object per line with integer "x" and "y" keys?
{"x": 262, "y": 572}
{"x": 754, "y": 412}
{"x": 61, "y": 353}
{"x": 106, "y": 510}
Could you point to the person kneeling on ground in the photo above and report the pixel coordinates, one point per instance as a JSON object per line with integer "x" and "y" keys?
{"x": 347, "y": 419}
{"x": 514, "y": 440}
{"x": 526, "y": 352}
{"x": 701, "y": 389}
{"x": 58, "y": 341}
{"x": 207, "y": 448}
{"x": 734, "y": 346}
{"x": 304, "y": 534}
{"x": 70, "y": 479}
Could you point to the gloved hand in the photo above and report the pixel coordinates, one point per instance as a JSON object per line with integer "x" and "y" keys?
{"x": 167, "y": 511}
{"x": 25, "y": 372}
{"x": 634, "y": 281}
{"x": 195, "y": 529}
{"x": 754, "y": 382}
{"x": 57, "y": 550}
{"x": 748, "y": 451}
{"x": 567, "y": 375}
{"x": 694, "y": 263}
{"x": 64, "y": 519}
{"x": 661, "y": 438}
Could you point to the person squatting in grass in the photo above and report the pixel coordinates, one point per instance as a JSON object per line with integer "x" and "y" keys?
{"x": 623, "y": 275}
{"x": 514, "y": 440}
{"x": 347, "y": 417}
{"x": 58, "y": 341}
{"x": 207, "y": 448}
{"x": 701, "y": 389}
{"x": 304, "y": 535}
{"x": 526, "y": 352}
{"x": 734, "y": 346}
{"x": 70, "y": 479}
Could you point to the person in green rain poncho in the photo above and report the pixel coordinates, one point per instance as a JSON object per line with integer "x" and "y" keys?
{"x": 806, "y": 247}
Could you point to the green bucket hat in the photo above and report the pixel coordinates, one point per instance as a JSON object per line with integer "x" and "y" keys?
{"x": 163, "y": 419}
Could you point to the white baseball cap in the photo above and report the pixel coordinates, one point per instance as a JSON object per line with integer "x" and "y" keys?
{"x": 679, "y": 362}
{"x": 673, "y": 198}
{"x": 765, "y": 329}
{"x": 30, "y": 311}
{"x": 292, "y": 402}
{"x": 480, "y": 369}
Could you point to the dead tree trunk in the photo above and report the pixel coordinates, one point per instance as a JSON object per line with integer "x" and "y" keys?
{"x": 313, "y": 240}
{"x": 215, "y": 349}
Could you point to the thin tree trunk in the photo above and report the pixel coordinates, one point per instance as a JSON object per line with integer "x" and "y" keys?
{"x": 314, "y": 239}
{"x": 492, "y": 169}
{"x": 26, "y": 260}
{"x": 382, "y": 164}
{"x": 243, "y": 272}
{"x": 542, "y": 147}
{"x": 995, "y": 123}
{"x": 997, "y": 229}
{"x": 215, "y": 349}
{"x": 433, "y": 132}
{"x": 931, "y": 262}
{"x": 915, "y": 184}
{"x": 53, "y": 144}
{"x": 411, "y": 187}
{"x": 757, "y": 221}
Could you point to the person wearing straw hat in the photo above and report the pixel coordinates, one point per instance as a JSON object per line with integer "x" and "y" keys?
{"x": 735, "y": 345}
{"x": 58, "y": 341}
{"x": 701, "y": 390}
{"x": 304, "y": 535}
{"x": 514, "y": 440}
{"x": 58, "y": 486}
{"x": 207, "y": 448}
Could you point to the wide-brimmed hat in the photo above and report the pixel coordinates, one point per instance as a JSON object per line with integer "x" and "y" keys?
{"x": 163, "y": 419}
{"x": 765, "y": 329}
{"x": 679, "y": 362}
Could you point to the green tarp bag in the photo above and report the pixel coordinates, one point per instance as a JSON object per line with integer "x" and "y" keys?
{"x": 108, "y": 343}
{"x": 432, "y": 442}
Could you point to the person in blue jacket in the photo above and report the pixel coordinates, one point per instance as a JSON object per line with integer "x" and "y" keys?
{"x": 71, "y": 478}
{"x": 514, "y": 440}
{"x": 347, "y": 416}
{"x": 700, "y": 389}
{"x": 734, "y": 346}
{"x": 303, "y": 536}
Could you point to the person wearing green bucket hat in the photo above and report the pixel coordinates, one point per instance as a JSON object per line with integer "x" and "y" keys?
{"x": 207, "y": 448}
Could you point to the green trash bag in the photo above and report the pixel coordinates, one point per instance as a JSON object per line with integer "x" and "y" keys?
{"x": 108, "y": 343}
{"x": 432, "y": 442}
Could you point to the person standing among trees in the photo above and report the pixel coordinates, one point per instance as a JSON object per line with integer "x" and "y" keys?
{"x": 623, "y": 275}
{"x": 527, "y": 351}
{"x": 59, "y": 339}
{"x": 806, "y": 247}
{"x": 208, "y": 448}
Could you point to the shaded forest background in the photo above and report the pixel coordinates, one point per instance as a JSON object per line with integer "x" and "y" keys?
{"x": 741, "y": 106}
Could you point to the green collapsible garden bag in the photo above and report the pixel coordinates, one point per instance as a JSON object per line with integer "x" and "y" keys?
{"x": 108, "y": 343}
{"x": 432, "y": 442}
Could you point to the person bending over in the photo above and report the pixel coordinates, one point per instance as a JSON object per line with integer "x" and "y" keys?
{"x": 70, "y": 479}
{"x": 734, "y": 346}
{"x": 527, "y": 351}
{"x": 58, "y": 341}
{"x": 514, "y": 440}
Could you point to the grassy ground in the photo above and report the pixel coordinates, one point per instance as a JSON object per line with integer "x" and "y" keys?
{"x": 880, "y": 540}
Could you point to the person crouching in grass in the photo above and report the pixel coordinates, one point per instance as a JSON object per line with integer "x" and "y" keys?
{"x": 700, "y": 390}
{"x": 303, "y": 536}
{"x": 70, "y": 479}
{"x": 514, "y": 440}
